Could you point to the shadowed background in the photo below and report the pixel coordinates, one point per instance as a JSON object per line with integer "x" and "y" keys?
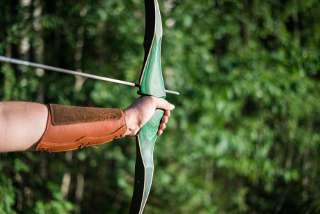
{"x": 245, "y": 134}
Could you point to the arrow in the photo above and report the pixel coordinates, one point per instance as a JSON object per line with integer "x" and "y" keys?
{"x": 76, "y": 73}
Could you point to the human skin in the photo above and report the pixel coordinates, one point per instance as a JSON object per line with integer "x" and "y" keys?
{"x": 22, "y": 124}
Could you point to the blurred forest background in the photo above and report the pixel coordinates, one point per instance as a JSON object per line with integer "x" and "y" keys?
{"x": 245, "y": 134}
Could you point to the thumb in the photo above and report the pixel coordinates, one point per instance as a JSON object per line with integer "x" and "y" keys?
{"x": 163, "y": 104}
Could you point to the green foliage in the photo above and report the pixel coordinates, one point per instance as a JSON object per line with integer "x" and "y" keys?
{"x": 58, "y": 205}
{"x": 245, "y": 134}
{"x": 7, "y": 195}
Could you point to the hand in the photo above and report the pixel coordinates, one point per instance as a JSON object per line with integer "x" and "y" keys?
{"x": 141, "y": 112}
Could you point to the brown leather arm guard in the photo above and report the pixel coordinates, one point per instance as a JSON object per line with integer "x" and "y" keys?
{"x": 69, "y": 128}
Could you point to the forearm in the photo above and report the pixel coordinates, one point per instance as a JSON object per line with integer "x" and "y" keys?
{"x": 57, "y": 128}
{"x": 71, "y": 127}
{"x": 21, "y": 125}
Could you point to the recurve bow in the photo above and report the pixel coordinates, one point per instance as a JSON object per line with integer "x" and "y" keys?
{"x": 151, "y": 84}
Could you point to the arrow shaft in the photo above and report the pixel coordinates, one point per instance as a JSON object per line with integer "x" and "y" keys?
{"x": 72, "y": 72}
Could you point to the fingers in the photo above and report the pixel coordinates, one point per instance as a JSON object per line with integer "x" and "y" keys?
{"x": 163, "y": 123}
{"x": 160, "y": 132}
{"x": 165, "y": 119}
{"x": 167, "y": 107}
{"x": 167, "y": 113}
{"x": 159, "y": 103}
{"x": 163, "y": 104}
{"x": 141, "y": 111}
{"x": 163, "y": 126}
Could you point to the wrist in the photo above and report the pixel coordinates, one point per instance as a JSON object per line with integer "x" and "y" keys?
{"x": 131, "y": 123}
